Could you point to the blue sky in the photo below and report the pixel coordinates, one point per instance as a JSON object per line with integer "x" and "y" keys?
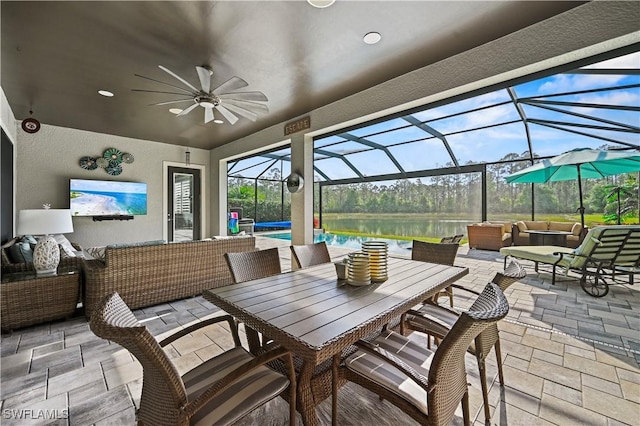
{"x": 490, "y": 144}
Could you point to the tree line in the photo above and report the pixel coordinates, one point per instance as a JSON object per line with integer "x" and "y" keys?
{"x": 458, "y": 194}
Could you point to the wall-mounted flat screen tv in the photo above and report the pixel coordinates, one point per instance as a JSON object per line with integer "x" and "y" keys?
{"x": 107, "y": 198}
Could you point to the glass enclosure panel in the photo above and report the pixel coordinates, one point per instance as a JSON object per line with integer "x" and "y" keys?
{"x": 464, "y": 105}
{"x": 413, "y": 156}
{"x": 241, "y": 193}
{"x": 408, "y": 134}
{"x": 384, "y": 126}
{"x": 489, "y": 145}
{"x": 182, "y": 207}
{"x": 374, "y": 162}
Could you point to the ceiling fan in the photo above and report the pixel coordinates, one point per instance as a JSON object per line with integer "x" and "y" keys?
{"x": 223, "y": 98}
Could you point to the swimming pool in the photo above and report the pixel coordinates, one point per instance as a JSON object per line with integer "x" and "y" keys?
{"x": 348, "y": 241}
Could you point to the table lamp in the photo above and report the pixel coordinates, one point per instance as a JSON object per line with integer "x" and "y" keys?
{"x": 45, "y": 222}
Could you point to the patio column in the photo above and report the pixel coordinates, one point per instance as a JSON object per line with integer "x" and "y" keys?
{"x": 302, "y": 202}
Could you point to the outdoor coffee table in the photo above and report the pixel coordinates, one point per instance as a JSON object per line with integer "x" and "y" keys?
{"x": 548, "y": 238}
{"x": 315, "y": 316}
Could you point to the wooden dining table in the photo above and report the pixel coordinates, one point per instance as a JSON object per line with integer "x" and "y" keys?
{"x": 315, "y": 315}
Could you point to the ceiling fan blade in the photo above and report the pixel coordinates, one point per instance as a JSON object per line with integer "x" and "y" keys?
{"x": 245, "y": 96}
{"x": 205, "y": 79}
{"x": 159, "y": 91}
{"x": 233, "y": 83}
{"x": 187, "y": 110}
{"x": 172, "y": 102}
{"x": 208, "y": 115}
{"x": 168, "y": 71}
{"x": 249, "y": 106}
{"x": 231, "y": 118}
{"x": 162, "y": 82}
{"x": 241, "y": 111}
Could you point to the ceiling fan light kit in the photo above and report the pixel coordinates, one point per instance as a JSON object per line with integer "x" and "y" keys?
{"x": 224, "y": 98}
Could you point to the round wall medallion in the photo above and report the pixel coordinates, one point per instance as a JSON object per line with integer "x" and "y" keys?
{"x": 295, "y": 182}
{"x": 30, "y": 125}
{"x": 88, "y": 163}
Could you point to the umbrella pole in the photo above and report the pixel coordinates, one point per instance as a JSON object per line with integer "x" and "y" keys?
{"x": 581, "y": 208}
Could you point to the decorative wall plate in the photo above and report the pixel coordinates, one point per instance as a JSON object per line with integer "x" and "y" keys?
{"x": 114, "y": 169}
{"x": 102, "y": 162}
{"x": 127, "y": 158}
{"x": 88, "y": 163}
{"x": 113, "y": 154}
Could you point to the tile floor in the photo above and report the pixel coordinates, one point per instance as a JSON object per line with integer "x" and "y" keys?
{"x": 569, "y": 359}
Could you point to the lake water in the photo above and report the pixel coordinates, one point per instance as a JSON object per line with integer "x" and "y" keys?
{"x": 403, "y": 226}
{"x": 353, "y": 242}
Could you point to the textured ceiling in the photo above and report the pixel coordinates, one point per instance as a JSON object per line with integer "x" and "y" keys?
{"x": 57, "y": 55}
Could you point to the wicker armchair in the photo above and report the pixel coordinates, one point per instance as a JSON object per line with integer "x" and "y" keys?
{"x": 309, "y": 255}
{"x": 214, "y": 392}
{"x": 442, "y": 253}
{"x": 394, "y": 366}
{"x": 437, "y": 321}
{"x": 251, "y": 265}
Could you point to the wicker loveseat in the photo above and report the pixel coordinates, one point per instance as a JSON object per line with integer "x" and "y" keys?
{"x": 521, "y": 230}
{"x": 146, "y": 275}
{"x": 489, "y": 235}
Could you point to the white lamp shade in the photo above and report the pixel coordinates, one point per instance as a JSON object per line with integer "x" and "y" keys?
{"x": 44, "y": 222}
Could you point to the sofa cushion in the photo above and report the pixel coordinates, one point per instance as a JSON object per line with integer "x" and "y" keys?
{"x": 561, "y": 226}
{"x": 537, "y": 225}
{"x": 521, "y": 226}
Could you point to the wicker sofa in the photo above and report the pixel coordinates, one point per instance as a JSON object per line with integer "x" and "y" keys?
{"x": 146, "y": 275}
{"x": 520, "y": 231}
{"x": 489, "y": 235}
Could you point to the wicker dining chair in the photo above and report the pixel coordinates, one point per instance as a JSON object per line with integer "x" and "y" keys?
{"x": 251, "y": 265}
{"x": 442, "y": 253}
{"x": 309, "y": 255}
{"x": 221, "y": 390}
{"x": 436, "y": 321}
{"x": 426, "y": 385}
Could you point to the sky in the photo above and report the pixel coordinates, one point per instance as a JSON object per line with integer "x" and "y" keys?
{"x": 478, "y": 143}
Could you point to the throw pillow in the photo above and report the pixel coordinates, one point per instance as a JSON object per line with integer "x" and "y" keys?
{"x": 576, "y": 229}
{"x": 65, "y": 244}
{"x": 21, "y": 251}
{"x": 98, "y": 253}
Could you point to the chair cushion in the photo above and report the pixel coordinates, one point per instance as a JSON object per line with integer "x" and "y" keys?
{"x": 241, "y": 397}
{"x": 433, "y": 320}
{"x": 392, "y": 379}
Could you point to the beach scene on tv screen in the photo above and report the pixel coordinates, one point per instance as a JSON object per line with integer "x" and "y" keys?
{"x": 107, "y": 198}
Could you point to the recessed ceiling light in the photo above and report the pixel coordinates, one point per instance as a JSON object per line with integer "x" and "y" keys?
{"x": 321, "y": 4}
{"x": 218, "y": 121}
{"x": 372, "y": 37}
{"x": 175, "y": 110}
{"x": 105, "y": 93}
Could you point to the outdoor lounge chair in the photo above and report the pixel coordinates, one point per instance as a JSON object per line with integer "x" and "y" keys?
{"x": 606, "y": 251}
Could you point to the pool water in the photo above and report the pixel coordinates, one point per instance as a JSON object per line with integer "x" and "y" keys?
{"x": 349, "y": 241}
